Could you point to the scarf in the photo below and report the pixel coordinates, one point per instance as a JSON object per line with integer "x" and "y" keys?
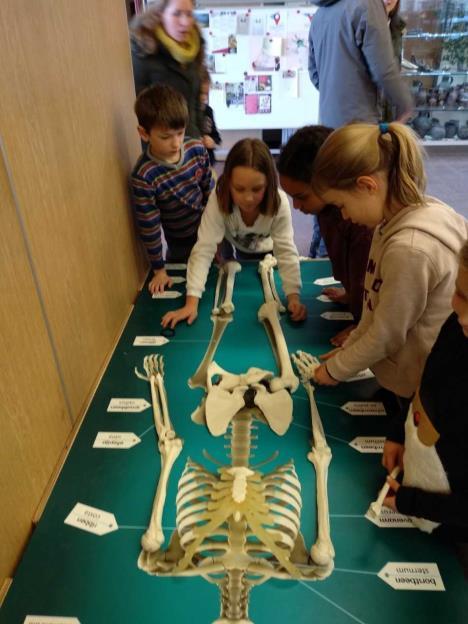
{"x": 183, "y": 53}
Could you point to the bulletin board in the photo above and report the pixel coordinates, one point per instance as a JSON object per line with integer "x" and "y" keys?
{"x": 258, "y": 62}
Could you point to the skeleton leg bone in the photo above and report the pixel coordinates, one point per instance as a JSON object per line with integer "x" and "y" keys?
{"x": 265, "y": 268}
{"x": 221, "y": 316}
{"x": 169, "y": 446}
{"x": 268, "y": 314}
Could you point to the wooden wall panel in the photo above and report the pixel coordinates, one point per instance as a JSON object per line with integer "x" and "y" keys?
{"x": 69, "y": 131}
{"x": 33, "y": 416}
{"x": 69, "y": 137}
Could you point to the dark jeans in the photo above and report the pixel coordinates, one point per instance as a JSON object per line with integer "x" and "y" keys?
{"x": 178, "y": 250}
{"x": 317, "y": 246}
{"x": 397, "y": 410}
{"x": 229, "y": 252}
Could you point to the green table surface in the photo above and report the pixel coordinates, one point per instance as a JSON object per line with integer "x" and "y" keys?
{"x": 72, "y": 573}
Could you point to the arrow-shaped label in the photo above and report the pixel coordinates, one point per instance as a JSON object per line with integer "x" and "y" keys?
{"x": 91, "y": 519}
{"x": 50, "y": 619}
{"x": 116, "y": 440}
{"x": 326, "y": 281}
{"x": 127, "y": 405}
{"x": 167, "y": 294}
{"x": 364, "y": 408}
{"x": 412, "y": 576}
{"x": 337, "y": 316}
{"x": 368, "y": 444}
{"x": 389, "y": 519}
{"x": 150, "y": 341}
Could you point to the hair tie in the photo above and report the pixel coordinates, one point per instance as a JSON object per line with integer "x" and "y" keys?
{"x": 383, "y": 127}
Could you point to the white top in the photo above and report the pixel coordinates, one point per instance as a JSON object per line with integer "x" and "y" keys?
{"x": 268, "y": 233}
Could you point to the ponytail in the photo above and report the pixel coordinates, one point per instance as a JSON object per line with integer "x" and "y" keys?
{"x": 364, "y": 149}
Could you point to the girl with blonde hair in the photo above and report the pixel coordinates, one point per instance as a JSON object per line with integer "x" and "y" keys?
{"x": 375, "y": 175}
{"x": 167, "y": 48}
{"x": 249, "y": 210}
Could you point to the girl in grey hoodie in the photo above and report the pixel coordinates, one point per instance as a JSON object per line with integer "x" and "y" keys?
{"x": 375, "y": 175}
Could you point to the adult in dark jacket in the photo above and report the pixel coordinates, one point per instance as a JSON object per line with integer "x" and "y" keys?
{"x": 167, "y": 47}
{"x": 351, "y": 59}
{"x": 397, "y": 26}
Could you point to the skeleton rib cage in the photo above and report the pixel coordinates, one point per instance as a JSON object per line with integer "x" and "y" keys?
{"x": 238, "y": 527}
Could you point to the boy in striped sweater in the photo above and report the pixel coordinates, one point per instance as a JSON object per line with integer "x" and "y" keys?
{"x": 171, "y": 180}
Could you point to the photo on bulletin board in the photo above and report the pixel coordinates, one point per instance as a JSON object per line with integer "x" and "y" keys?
{"x": 264, "y": 83}
{"x": 210, "y": 63}
{"x": 250, "y": 83}
{"x": 234, "y": 94}
{"x": 202, "y": 18}
{"x": 256, "y": 104}
{"x": 243, "y": 24}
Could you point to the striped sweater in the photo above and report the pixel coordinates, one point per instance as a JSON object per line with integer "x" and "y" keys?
{"x": 171, "y": 196}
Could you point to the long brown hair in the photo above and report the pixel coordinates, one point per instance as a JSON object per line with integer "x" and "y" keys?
{"x": 364, "y": 149}
{"x": 255, "y": 154}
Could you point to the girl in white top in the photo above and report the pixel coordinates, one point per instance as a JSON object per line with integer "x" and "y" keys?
{"x": 249, "y": 210}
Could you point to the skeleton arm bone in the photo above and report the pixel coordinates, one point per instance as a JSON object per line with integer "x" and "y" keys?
{"x": 169, "y": 446}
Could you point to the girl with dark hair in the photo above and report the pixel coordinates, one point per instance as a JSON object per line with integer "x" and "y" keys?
{"x": 248, "y": 209}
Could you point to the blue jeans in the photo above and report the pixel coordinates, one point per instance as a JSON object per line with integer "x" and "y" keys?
{"x": 317, "y": 245}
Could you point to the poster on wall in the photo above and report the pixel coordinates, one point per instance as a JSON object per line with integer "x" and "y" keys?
{"x": 234, "y": 94}
{"x": 223, "y": 22}
{"x": 296, "y": 51}
{"x": 265, "y": 53}
{"x": 243, "y": 24}
{"x": 276, "y": 23}
{"x": 257, "y": 25}
{"x": 290, "y": 83}
{"x": 256, "y": 103}
{"x": 202, "y": 18}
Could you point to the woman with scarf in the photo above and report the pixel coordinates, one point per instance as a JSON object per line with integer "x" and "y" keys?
{"x": 167, "y": 48}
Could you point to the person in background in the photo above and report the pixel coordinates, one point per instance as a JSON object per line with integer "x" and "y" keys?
{"x": 210, "y": 135}
{"x": 375, "y": 175}
{"x": 351, "y": 60}
{"x": 171, "y": 180}
{"x": 249, "y": 210}
{"x": 348, "y": 244}
{"x": 432, "y": 447}
{"x": 397, "y": 26}
{"x": 167, "y": 48}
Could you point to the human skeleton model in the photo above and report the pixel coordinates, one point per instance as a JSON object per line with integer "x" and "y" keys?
{"x": 238, "y": 528}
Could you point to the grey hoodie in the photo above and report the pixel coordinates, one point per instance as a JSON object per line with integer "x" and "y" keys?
{"x": 351, "y": 58}
{"x": 409, "y": 283}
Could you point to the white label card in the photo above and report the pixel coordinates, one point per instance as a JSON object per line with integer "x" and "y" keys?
{"x": 116, "y": 440}
{"x": 127, "y": 405}
{"x": 323, "y": 298}
{"x": 175, "y": 266}
{"x": 364, "y": 408}
{"x": 177, "y": 279}
{"x": 389, "y": 519}
{"x": 167, "y": 294}
{"x": 370, "y": 444}
{"x": 413, "y": 576}
{"x": 150, "y": 341}
{"x": 50, "y": 619}
{"x": 337, "y": 316}
{"x": 91, "y": 519}
{"x": 365, "y": 374}
{"x": 326, "y": 281}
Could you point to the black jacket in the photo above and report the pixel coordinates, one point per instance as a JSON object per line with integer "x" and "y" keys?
{"x": 161, "y": 67}
{"x": 444, "y": 398}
